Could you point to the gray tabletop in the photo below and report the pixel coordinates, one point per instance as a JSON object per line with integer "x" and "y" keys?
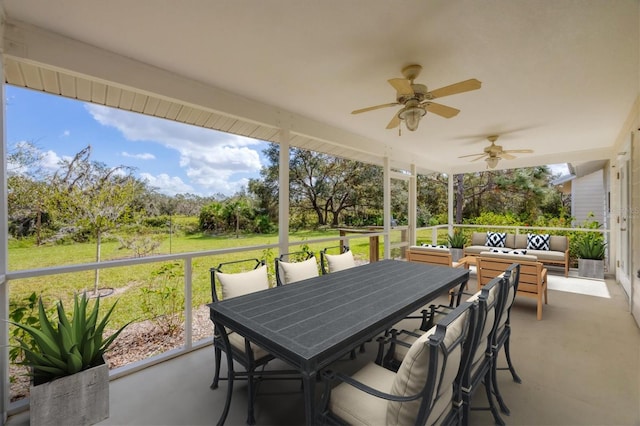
{"x": 311, "y": 323}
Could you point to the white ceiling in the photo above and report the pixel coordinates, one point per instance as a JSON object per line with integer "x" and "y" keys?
{"x": 558, "y": 76}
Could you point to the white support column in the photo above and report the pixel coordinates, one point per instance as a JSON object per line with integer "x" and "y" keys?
{"x": 4, "y": 250}
{"x": 386, "y": 177}
{"x": 450, "y": 202}
{"x": 283, "y": 191}
{"x": 413, "y": 205}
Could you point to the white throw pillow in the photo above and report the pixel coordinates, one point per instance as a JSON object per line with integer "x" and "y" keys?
{"x": 290, "y": 272}
{"x": 338, "y": 262}
{"x": 242, "y": 283}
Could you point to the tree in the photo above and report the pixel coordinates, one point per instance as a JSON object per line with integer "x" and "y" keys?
{"x": 321, "y": 185}
{"x": 27, "y": 191}
{"x": 94, "y": 196}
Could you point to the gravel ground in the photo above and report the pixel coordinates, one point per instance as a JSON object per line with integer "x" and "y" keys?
{"x": 138, "y": 341}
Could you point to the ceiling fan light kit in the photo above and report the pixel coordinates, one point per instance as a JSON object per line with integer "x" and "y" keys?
{"x": 492, "y": 162}
{"x": 411, "y": 115}
{"x": 416, "y": 98}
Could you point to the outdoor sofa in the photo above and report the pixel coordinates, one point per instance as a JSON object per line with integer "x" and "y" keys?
{"x": 548, "y": 249}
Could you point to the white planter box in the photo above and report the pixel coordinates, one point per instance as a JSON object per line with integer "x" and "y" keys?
{"x": 80, "y": 399}
{"x": 456, "y": 254}
{"x": 591, "y": 268}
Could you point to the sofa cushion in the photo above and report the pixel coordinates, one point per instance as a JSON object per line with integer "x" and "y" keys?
{"x": 478, "y": 238}
{"x": 514, "y": 257}
{"x": 558, "y": 243}
{"x": 496, "y": 239}
{"x": 427, "y": 249}
{"x": 538, "y": 241}
{"x": 436, "y": 246}
{"x": 548, "y": 255}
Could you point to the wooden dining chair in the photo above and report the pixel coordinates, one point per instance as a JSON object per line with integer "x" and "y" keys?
{"x": 424, "y": 390}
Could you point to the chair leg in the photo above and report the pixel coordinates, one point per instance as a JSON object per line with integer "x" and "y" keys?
{"x": 488, "y": 383}
{"x": 218, "y": 358}
{"x": 496, "y": 391}
{"x": 507, "y": 354}
{"x": 539, "y": 312}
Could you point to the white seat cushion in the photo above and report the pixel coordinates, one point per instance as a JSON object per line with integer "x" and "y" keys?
{"x": 356, "y": 407}
{"x": 242, "y": 283}
{"x": 338, "y": 262}
{"x": 237, "y": 341}
{"x": 290, "y": 272}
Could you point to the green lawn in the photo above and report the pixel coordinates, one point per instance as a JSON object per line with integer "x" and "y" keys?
{"x": 147, "y": 290}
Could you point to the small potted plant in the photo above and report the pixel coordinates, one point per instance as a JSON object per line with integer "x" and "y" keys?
{"x": 70, "y": 378}
{"x": 456, "y": 242}
{"x": 591, "y": 251}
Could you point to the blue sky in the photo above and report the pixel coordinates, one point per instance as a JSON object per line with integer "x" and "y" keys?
{"x": 173, "y": 157}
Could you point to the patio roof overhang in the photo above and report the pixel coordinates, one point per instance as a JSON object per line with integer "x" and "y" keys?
{"x": 561, "y": 80}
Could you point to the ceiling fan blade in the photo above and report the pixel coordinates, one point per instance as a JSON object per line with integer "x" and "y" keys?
{"x": 395, "y": 122}
{"x": 463, "y": 86}
{"x": 481, "y": 157}
{"x": 402, "y": 86}
{"x": 507, "y": 156}
{"x": 371, "y": 108}
{"x": 472, "y": 155}
{"x": 441, "y": 110}
{"x": 519, "y": 151}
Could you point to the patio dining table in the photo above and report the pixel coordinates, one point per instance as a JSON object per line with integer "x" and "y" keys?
{"x": 312, "y": 323}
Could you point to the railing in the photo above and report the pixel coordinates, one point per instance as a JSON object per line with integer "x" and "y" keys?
{"x": 187, "y": 259}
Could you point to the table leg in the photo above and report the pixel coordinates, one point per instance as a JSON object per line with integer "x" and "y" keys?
{"x": 309, "y": 385}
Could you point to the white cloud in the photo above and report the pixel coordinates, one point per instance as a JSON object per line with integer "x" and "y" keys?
{"x": 166, "y": 184}
{"x": 66, "y": 133}
{"x": 143, "y": 156}
{"x": 209, "y": 157}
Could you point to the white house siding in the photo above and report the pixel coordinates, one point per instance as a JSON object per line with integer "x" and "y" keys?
{"x": 634, "y": 218}
{"x": 588, "y": 196}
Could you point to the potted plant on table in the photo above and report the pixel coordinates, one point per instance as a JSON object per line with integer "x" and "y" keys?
{"x": 456, "y": 242}
{"x": 70, "y": 378}
{"x": 591, "y": 251}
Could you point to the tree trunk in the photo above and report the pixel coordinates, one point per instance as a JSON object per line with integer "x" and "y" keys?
{"x": 459, "y": 196}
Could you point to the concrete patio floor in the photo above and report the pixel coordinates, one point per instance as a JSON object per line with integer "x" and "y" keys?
{"x": 580, "y": 365}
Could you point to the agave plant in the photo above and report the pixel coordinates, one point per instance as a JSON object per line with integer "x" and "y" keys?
{"x": 591, "y": 246}
{"x": 457, "y": 240}
{"x": 74, "y": 345}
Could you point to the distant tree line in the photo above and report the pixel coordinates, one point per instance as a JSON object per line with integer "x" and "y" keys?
{"x": 86, "y": 199}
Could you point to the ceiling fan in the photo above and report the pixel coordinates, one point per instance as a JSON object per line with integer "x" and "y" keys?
{"x": 416, "y": 99}
{"x": 494, "y": 153}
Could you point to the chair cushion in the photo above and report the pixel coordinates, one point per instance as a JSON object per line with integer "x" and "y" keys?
{"x": 413, "y": 374}
{"x": 538, "y": 242}
{"x": 237, "y": 341}
{"x": 242, "y": 283}
{"x": 290, "y": 272}
{"x": 356, "y": 407}
{"x": 496, "y": 239}
{"x": 509, "y": 256}
{"x": 435, "y": 246}
{"x": 338, "y": 262}
{"x": 430, "y": 249}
